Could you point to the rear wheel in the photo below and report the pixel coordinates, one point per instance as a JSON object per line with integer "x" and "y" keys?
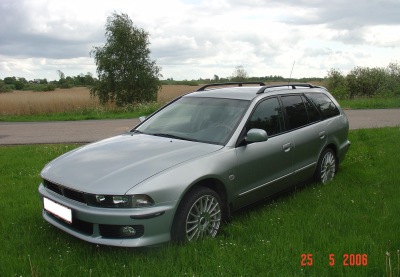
{"x": 327, "y": 166}
{"x": 199, "y": 216}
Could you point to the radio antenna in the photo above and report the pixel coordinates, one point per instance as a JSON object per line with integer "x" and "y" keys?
{"x": 290, "y": 78}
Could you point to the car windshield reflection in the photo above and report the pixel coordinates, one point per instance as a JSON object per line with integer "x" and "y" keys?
{"x": 201, "y": 119}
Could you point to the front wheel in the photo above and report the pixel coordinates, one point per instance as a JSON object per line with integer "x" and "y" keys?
{"x": 199, "y": 216}
{"x": 327, "y": 166}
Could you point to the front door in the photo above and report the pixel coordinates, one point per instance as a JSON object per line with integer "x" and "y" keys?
{"x": 264, "y": 166}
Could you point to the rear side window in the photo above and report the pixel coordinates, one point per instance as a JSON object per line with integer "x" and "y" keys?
{"x": 296, "y": 111}
{"x": 313, "y": 113}
{"x": 267, "y": 116}
{"x": 324, "y": 104}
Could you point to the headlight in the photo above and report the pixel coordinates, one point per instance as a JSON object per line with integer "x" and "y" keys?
{"x": 120, "y": 201}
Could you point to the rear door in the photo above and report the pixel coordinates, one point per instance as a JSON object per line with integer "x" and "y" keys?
{"x": 308, "y": 134}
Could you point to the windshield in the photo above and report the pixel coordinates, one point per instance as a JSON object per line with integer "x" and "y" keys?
{"x": 210, "y": 120}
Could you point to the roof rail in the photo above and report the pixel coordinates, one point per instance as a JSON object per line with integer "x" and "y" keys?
{"x": 230, "y": 84}
{"x": 293, "y": 85}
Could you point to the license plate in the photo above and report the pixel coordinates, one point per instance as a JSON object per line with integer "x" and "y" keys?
{"x": 57, "y": 210}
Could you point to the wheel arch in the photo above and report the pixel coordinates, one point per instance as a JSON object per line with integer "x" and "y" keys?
{"x": 211, "y": 184}
{"x": 335, "y": 151}
{"x": 215, "y": 185}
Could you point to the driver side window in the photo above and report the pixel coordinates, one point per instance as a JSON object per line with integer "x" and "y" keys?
{"x": 267, "y": 116}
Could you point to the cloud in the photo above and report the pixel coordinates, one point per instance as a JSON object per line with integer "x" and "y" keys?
{"x": 30, "y": 29}
{"x": 200, "y": 38}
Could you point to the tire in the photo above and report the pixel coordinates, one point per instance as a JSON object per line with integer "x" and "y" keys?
{"x": 198, "y": 216}
{"x": 327, "y": 166}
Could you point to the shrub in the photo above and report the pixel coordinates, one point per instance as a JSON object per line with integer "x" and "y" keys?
{"x": 365, "y": 82}
{"x": 393, "y": 72}
{"x": 48, "y": 87}
{"x": 4, "y": 87}
{"x": 336, "y": 84}
{"x": 19, "y": 85}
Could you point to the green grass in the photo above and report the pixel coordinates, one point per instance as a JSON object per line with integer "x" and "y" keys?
{"x": 357, "y": 213}
{"x": 370, "y": 103}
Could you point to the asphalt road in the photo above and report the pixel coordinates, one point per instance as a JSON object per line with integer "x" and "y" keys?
{"x": 92, "y": 130}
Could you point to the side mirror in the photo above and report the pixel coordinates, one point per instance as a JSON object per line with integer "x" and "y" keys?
{"x": 142, "y": 118}
{"x": 256, "y": 135}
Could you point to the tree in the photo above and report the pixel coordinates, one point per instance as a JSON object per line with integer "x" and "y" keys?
{"x": 125, "y": 72}
{"x": 64, "y": 82}
{"x": 239, "y": 74}
{"x": 10, "y": 80}
{"x": 61, "y": 74}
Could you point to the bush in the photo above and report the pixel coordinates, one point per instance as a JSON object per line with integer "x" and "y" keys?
{"x": 19, "y": 85}
{"x": 336, "y": 84}
{"x": 48, "y": 87}
{"x": 365, "y": 82}
{"x": 5, "y": 88}
{"x": 393, "y": 72}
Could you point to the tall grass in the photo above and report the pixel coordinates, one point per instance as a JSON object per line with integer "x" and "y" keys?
{"x": 76, "y": 104}
{"x": 357, "y": 213}
{"x": 36, "y": 103}
{"x": 74, "y": 100}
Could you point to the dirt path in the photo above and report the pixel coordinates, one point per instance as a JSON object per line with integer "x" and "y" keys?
{"x": 93, "y": 130}
{"x": 361, "y": 119}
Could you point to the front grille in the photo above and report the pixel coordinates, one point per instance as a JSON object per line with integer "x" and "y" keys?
{"x": 53, "y": 187}
{"x": 66, "y": 192}
{"x": 75, "y": 195}
{"x": 114, "y": 231}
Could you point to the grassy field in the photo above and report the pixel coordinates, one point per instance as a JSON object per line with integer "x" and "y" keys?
{"x": 371, "y": 103}
{"x": 76, "y": 104}
{"x": 354, "y": 218}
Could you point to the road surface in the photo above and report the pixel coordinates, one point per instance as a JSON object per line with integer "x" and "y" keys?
{"x": 85, "y": 131}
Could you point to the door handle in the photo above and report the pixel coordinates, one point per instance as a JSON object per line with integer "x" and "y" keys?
{"x": 322, "y": 134}
{"x": 287, "y": 146}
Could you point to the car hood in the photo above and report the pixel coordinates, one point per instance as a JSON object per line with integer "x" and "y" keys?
{"x": 115, "y": 165}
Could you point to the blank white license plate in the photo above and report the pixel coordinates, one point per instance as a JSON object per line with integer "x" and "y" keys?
{"x": 58, "y": 210}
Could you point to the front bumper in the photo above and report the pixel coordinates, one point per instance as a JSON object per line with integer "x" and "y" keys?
{"x": 103, "y": 225}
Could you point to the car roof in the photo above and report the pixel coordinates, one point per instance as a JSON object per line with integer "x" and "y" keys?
{"x": 251, "y": 92}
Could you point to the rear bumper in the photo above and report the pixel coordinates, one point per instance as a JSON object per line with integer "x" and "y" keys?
{"x": 344, "y": 148}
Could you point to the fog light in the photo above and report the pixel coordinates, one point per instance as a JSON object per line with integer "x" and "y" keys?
{"x": 128, "y": 231}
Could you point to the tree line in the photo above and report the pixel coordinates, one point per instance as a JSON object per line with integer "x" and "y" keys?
{"x": 19, "y": 83}
{"x": 359, "y": 82}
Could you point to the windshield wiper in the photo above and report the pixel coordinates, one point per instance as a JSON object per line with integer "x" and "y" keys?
{"x": 136, "y": 131}
{"x": 172, "y": 136}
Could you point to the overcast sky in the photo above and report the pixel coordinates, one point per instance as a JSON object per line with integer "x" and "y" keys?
{"x": 193, "y": 39}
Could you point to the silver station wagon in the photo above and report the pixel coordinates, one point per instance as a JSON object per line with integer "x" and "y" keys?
{"x": 183, "y": 170}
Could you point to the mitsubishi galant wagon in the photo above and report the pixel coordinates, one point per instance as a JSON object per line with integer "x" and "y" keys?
{"x": 184, "y": 169}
